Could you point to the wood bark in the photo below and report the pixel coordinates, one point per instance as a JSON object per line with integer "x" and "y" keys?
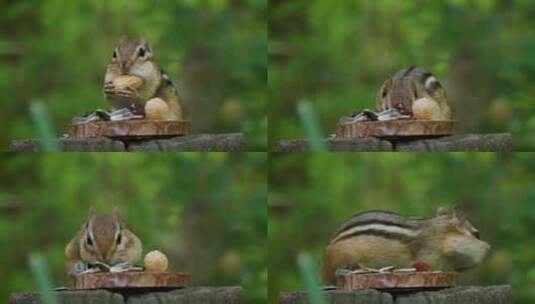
{"x": 500, "y": 142}
{"x": 229, "y": 142}
{"x": 458, "y": 295}
{"x": 193, "y": 295}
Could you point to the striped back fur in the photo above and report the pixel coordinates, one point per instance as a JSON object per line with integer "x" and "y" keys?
{"x": 384, "y": 224}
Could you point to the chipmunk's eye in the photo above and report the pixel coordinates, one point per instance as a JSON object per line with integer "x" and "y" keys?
{"x": 119, "y": 238}
{"x": 114, "y": 55}
{"x": 475, "y": 233}
{"x": 141, "y": 52}
{"x": 89, "y": 241}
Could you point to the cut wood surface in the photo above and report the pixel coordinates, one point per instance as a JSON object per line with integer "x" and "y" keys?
{"x": 459, "y": 295}
{"x": 395, "y": 128}
{"x": 190, "y": 295}
{"x": 134, "y": 279}
{"x": 412, "y": 280}
{"x": 129, "y": 129}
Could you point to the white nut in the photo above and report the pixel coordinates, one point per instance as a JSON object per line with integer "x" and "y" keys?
{"x": 157, "y": 109}
{"x": 155, "y": 261}
{"x": 426, "y": 109}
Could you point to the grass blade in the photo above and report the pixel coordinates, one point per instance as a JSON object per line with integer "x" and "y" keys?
{"x": 308, "y": 272}
{"x": 311, "y": 126}
{"x": 42, "y": 279}
{"x": 44, "y": 126}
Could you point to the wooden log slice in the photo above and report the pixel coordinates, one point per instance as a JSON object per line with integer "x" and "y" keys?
{"x": 134, "y": 279}
{"x": 395, "y": 128}
{"x": 399, "y": 280}
{"x": 129, "y": 129}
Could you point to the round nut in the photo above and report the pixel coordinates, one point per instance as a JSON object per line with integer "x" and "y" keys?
{"x": 155, "y": 261}
{"x": 157, "y": 109}
{"x": 426, "y": 109}
{"x": 122, "y": 82}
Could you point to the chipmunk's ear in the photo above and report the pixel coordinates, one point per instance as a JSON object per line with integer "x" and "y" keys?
{"x": 91, "y": 212}
{"x": 431, "y": 83}
{"x": 459, "y": 213}
{"x": 383, "y": 98}
{"x": 442, "y": 211}
{"x": 143, "y": 50}
{"x": 414, "y": 90}
{"x": 142, "y": 41}
{"x": 118, "y": 216}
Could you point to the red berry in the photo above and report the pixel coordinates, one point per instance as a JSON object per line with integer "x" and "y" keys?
{"x": 421, "y": 266}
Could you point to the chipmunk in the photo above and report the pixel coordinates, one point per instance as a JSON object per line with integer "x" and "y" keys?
{"x": 379, "y": 239}
{"x": 102, "y": 239}
{"x": 416, "y": 92}
{"x": 134, "y": 57}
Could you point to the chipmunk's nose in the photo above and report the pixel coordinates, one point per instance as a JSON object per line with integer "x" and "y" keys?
{"x": 124, "y": 66}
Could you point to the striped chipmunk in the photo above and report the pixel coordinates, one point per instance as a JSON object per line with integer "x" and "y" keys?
{"x": 156, "y": 97}
{"x": 415, "y": 92}
{"x": 103, "y": 243}
{"x": 377, "y": 239}
{"x": 411, "y": 93}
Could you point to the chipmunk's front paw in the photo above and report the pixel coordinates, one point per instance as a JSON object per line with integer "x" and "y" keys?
{"x": 109, "y": 88}
{"x": 80, "y": 268}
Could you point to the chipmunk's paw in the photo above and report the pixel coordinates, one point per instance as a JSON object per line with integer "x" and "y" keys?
{"x": 78, "y": 268}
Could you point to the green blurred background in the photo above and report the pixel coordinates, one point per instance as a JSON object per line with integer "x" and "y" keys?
{"x": 207, "y": 212}
{"x": 311, "y": 195}
{"x": 336, "y": 54}
{"x": 56, "y": 51}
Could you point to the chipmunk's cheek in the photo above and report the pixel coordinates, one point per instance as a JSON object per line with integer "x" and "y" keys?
{"x": 465, "y": 252}
{"x": 145, "y": 70}
{"x": 84, "y": 256}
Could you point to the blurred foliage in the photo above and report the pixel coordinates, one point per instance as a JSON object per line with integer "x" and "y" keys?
{"x": 337, "y": 54}
{"x": 207, "y": 212}
{"x": 311, "y": 195}
{"x": 57, "y": 51}
{"x": 308, "y": 273}
{"x": 42, "y": 279}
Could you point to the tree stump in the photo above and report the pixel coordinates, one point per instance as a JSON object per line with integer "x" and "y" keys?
{"x": 459, "y": 295}
{"x": 226, "y": 142}
{"x": 198, "y": 295}
{"x": 231, "y": 142}
{"x": 193, "y": 295}
{"x": 499, "y": 142}
{"x": 71, "y": 297}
